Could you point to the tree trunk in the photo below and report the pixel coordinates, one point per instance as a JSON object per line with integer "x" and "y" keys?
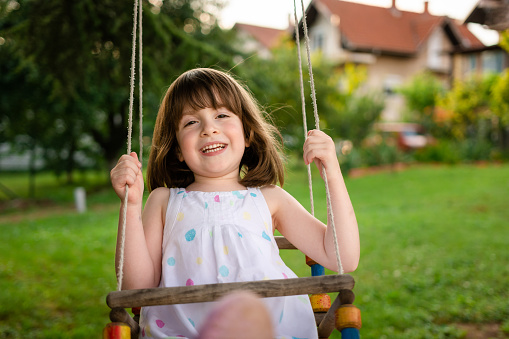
{"x": 70, "y": 164}
{"x": 504, "y": 138}
{"x": 31, "y": 171}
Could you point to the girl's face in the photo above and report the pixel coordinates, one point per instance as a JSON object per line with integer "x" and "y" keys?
{"x": 212, "y": 143}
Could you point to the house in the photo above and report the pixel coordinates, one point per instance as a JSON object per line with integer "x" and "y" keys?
{"x": 392, "y": 44}
{"x": 479, "y": 61}
{"x": 257, "y": 39}
{"x": 495, "y": 15}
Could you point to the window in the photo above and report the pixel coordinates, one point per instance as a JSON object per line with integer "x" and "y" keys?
{"x": 391, "y": 82}
{"x": 492, "y": 61}
{"x": 317, "y": 41}
{"x": 472, "y": 63}
{"x": 435, "y": 51}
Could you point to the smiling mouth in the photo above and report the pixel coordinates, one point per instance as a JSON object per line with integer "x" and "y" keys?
{"x": 212, "y": 148}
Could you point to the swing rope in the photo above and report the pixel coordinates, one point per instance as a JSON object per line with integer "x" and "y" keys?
{"x": 136, "y": 24}
{"x": 330, "y": 212}
{"x": 303, "y": 102}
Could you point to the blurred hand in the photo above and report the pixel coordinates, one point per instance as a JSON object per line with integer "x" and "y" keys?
{"x": 128, "y": 172}
{"x": 320, "y": 149}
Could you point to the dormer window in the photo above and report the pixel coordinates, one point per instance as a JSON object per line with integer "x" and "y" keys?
{"x": 317, "y": 41}
{"x": 435, "y": 51}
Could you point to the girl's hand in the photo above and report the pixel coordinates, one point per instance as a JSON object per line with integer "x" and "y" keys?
{"x": 128, "y": 172}
{"x": 320, "y": 149}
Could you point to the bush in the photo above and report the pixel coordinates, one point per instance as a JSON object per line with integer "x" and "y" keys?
{"x": 443, "y": 151}
{"x": 454, "y": 151}
{"x": 383, "y": 153}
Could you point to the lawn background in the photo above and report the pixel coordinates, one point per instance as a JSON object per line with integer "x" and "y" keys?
{"x": 434, "y": 255}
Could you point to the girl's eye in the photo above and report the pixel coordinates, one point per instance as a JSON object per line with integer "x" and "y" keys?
{"x": 189, "y": 123}
{"x": 222, "y": 115}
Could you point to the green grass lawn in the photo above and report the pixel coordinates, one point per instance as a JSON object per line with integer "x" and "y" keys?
{"x": 434, "y": 255}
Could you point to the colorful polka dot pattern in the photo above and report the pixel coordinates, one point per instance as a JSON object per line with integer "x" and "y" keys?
{"x": 209, "y": 231}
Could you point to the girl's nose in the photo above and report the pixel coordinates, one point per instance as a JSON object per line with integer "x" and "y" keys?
{"x": 208, "y": 129}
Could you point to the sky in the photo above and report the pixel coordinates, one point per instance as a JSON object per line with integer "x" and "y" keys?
{"x": 275, "y": 13}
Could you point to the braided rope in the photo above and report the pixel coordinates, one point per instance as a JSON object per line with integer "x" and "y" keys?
{"x": 140, "y": 82}
{"x": 120, "y": 275}
{"x": 330, "y": 213}
{"x": 303, "y": 102}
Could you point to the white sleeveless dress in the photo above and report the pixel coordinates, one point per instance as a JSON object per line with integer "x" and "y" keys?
{"x": 221, "y": 237}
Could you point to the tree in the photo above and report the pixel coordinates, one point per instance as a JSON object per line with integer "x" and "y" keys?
{"x": 24, "y": 123}
{"x": 469, "y": 104}
{"x": 83, "y": 48}
{"x": 421, "y": 96}
{"x": 500, "y": 107}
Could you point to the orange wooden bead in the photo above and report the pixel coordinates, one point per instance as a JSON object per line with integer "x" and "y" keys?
{"x": 310, "y": 261}
{"x": 117, "y": 331}
{"x": 320, "y": 302}
{"x": 348, "y": 316}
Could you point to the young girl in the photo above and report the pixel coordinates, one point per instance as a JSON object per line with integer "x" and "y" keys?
{"x": 214, "y": 206}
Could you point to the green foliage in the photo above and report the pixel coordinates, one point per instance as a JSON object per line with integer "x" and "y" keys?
{"x": 421, "y": 95}
{"x": 78, "y": 54}
{"x": 469, "y": 102}
{"x": 353, "y": 78}
{"x": 504, "y": 40}
{"x": 471, "y": 119}
{"x": 500, "y": 99}
{"x": 274, "y": 83}
{"x": 476, "y": 116}
{"x": 385, "y": 152}
{"x": 354, "y": 119}
{"x": 444, "y": 151}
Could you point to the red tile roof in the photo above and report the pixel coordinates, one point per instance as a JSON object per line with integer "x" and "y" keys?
{"x": 470, "y": 40}
{"x": 365, "y": 27}
{"x": 268, "y": 37}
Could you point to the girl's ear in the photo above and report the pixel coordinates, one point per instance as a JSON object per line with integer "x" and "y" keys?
{"x": 179, "y": 155}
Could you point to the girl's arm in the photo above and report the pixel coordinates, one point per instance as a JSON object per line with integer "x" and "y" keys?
{"x": 143, "y": 232}
{"x": 307, "y": 233}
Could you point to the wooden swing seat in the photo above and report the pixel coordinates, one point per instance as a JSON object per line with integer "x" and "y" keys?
{"x": 118, "y": 301}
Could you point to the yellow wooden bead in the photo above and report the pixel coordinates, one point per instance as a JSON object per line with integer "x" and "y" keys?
{"x": 348, "y": 316}
{"x": 320, "y": 302}
{"x": 117, "y": 331}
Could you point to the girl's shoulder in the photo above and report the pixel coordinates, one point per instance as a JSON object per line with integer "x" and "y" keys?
{"x": 275, "y": 196}
{"x": 160, "y": 191}
{"x": 272, "y": 191}
{"x": 159, "y": 197}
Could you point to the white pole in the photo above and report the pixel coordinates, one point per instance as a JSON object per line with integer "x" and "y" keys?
{"x": 80, "y": 199}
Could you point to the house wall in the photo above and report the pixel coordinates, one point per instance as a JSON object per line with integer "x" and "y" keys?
{"x": 479, "y": 63}
{"x": 386, "y": 74}
{"x": 324, "y": 35}
{"x": 389, "y": 72}
{"x": 431, "y": 56}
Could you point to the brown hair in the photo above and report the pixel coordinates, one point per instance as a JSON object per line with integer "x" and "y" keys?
{"x": 200, "y": 88}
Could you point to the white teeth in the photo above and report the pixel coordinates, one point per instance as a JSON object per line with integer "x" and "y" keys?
{"x": 212, "y": 148}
